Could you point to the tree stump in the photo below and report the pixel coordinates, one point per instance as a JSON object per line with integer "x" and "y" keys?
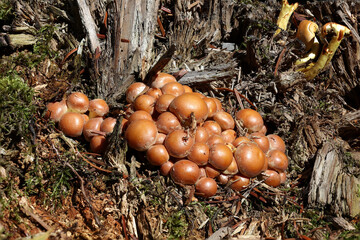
{"x": 128, "y": 49}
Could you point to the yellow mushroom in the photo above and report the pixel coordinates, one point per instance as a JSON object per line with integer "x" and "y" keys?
{"x": 285, "y": 14}
{"x": 328, "y": 50}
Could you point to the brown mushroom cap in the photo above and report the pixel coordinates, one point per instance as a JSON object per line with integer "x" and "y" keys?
{"x": 212, "y": 107}
{"x": 56, "y": 110}
{"x": 225, "y": 120}
{"x": 167, "y": 122}
{"x": 306, "y": 33}
{"x": 145, "y": 103}
{"x": 135, "y": 90}
{"x": 141, "y": 134}
{"x": 250, "y": 119}
{"x": 78, "y": 102}
{"x": 239, "y": 182}
{"x": 261, "y": 140}
{"x": 161, "y": 79}
{"x": 277, "y": 160}
{"x": 220, "y": 156}
{"x": 199, "y": 154}
{"x": 186, "y": 104}
{"x": 71, "y": 124}
{"x": 157, "y": 155}
{"x": 173, "y": 88}
{"x": 201, "y": 135}
{"x": 140, "y": 114}
{"x": 250, "y": 159}
{"x": 98, "y": 108}
{"x": 178, "y": 143}
{"x": 163, "y": 102}
{"x": 212, "y": 127}
{"x": 108, "y": 125}
{"x": 276, "y": 142}
{"x": 185, "y": 172}
{"x": 206, "y": 187}
{"x": 98, "y": 144}
{"x": 90, "y": 126}
{"x": 272, "y": 178}
{"x": 166, "y": 168}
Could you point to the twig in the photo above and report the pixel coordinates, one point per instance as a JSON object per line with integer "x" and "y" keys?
{"x": 161, "y": 27}
{"x": 68, "y": 55}
{"x": 279, "y": 60}
{"x": 84, "y": 193}
{"x": 161, "y": 63}
{"x": 105, "y": 19}
{"x": 93, "y": 165}
{"x": 178, "y": 75}
{"x": 190, "y": 6}
{"x": 237, "y": 95}
{"x": 28, "y": 211}
{"x": 89, "y": 24}
{"x": 124, "y": 227}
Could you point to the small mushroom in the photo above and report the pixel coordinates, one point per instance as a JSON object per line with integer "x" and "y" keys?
{"x": 306, "y": 33}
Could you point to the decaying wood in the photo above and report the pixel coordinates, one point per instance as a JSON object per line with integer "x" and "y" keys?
{"x": 19, "y": 40}
{"x": 349, "y": 128}
{"x": 340, "y": 221}
{"x": 222, "y": 72}
{"x": 331, "y": 186}
{"x": 194, "y": 28}
{"x": 135, "y": 21}
{"x": 89, "y": 25}
{"x": 115, "y": 154}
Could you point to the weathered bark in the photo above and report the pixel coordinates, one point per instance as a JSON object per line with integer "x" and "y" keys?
{"x": 222, "y": 72}
{"x": 331, "y": 184}
{"x": 128, "y": 49}
{"x": 89, "y": 25}
{"x": 195, "y": 26}
{"x": 19, "y": 40}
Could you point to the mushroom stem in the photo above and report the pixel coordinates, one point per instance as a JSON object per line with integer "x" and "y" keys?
{"x": 306, "y": 33}
{"x": 328, "y": 50}
{"x": 314, "y": 51}
{"x": 284, "y": 16}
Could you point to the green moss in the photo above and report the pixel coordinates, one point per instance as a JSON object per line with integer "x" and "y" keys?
{"x": 42, "y": 46}
{"x": 16, "y": 107}
{"x": 5, "y": 11}
{"x": 177, "y": 225}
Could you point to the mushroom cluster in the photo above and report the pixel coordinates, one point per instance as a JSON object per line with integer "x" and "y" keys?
{"x": 78, "y": 116}
{"x": 192, "y": 139}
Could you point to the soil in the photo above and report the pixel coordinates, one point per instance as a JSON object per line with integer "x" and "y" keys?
{"x": 53, "y": 187}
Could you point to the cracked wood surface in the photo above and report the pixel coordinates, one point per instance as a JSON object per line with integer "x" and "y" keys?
{"x": 331, "y": 186}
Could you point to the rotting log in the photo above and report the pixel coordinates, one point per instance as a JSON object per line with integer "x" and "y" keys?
{"x": 331, "y": 184}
